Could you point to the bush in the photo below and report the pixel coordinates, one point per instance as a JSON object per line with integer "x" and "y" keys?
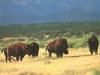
{"x": 78, "y": 41}
{"x": 96, "y": 72}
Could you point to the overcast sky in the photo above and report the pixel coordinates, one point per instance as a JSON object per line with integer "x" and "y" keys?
{"x": 44, "y": 7}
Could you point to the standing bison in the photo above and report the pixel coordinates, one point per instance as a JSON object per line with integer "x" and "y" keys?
{"x": 58, "y": 46}
{"x": 33, "y": 49}
{"x": 93, "y": 44}
{"x": 17, "y": 50}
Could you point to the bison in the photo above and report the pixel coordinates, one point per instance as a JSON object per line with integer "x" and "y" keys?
{"x": 58, "y": 46}
{"x": 18, "y": 50}
{"x": 33, "y": 49}
{"x": 93, "y": 44}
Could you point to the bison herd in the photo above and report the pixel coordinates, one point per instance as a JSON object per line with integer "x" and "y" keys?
{"x": 58, "y": 47}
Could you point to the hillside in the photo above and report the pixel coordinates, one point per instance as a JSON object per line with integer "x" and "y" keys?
{"x": 52, "y": 29}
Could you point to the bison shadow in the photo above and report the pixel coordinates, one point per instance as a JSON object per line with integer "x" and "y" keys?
{"x": 75, "y": 56}
{"x": 55, "y": 58}
{"x": 2, "y": 60}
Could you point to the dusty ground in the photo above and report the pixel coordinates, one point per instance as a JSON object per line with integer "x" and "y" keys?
{"x": 77, "y": 62}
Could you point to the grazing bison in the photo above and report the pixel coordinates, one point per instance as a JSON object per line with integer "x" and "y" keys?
{"x": 33, "y": 49}
{"x": 93, "y": 44}
{"x": 58, "y": 46}
{"x": 18, "y": 50}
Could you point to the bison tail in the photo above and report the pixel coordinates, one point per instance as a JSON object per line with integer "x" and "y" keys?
{"x": 2, "y": 51}
{"x": 46, "y": 51}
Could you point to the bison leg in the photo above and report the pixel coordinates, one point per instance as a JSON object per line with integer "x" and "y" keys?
{"x": 36, "y": 54}
{"x": 5, "y": 53}
{"x": 50, "y": 54}
{"x": 21, "y": 58}
{"x": 91, "y": 51}
{"x": 17, "y": 58}
{"x": 33, "y": 55}
{"x": 6, "y": 58}
{"x": 96, "y": 52}
{"x": 57, "y": 55}
{"x": 61, "y": 55}
{"x": 9, "y": 58}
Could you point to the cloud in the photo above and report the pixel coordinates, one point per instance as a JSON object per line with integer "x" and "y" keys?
{"x": 26, "y": 2}
{"x": 36, "y": 1}
{"x": 21, "y": 2}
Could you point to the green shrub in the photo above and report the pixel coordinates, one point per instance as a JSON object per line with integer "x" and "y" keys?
{"x": 96, "y": 72}
{"x": 78, "y": 41}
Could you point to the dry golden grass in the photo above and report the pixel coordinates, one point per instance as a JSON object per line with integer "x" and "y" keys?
{"x": 77, "y": 62}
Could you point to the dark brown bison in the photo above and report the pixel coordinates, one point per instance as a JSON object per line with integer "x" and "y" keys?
{"x": 33, "y": 49}
{"x": 93, "y": 44}
{"x": 58, "y": 46}
{"x": 18, "y": 50}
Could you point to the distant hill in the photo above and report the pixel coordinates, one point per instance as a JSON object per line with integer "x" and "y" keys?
{"x": 52, "y": 29}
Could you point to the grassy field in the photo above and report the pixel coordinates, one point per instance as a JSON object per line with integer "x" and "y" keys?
{"x": 78, "y": 62}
